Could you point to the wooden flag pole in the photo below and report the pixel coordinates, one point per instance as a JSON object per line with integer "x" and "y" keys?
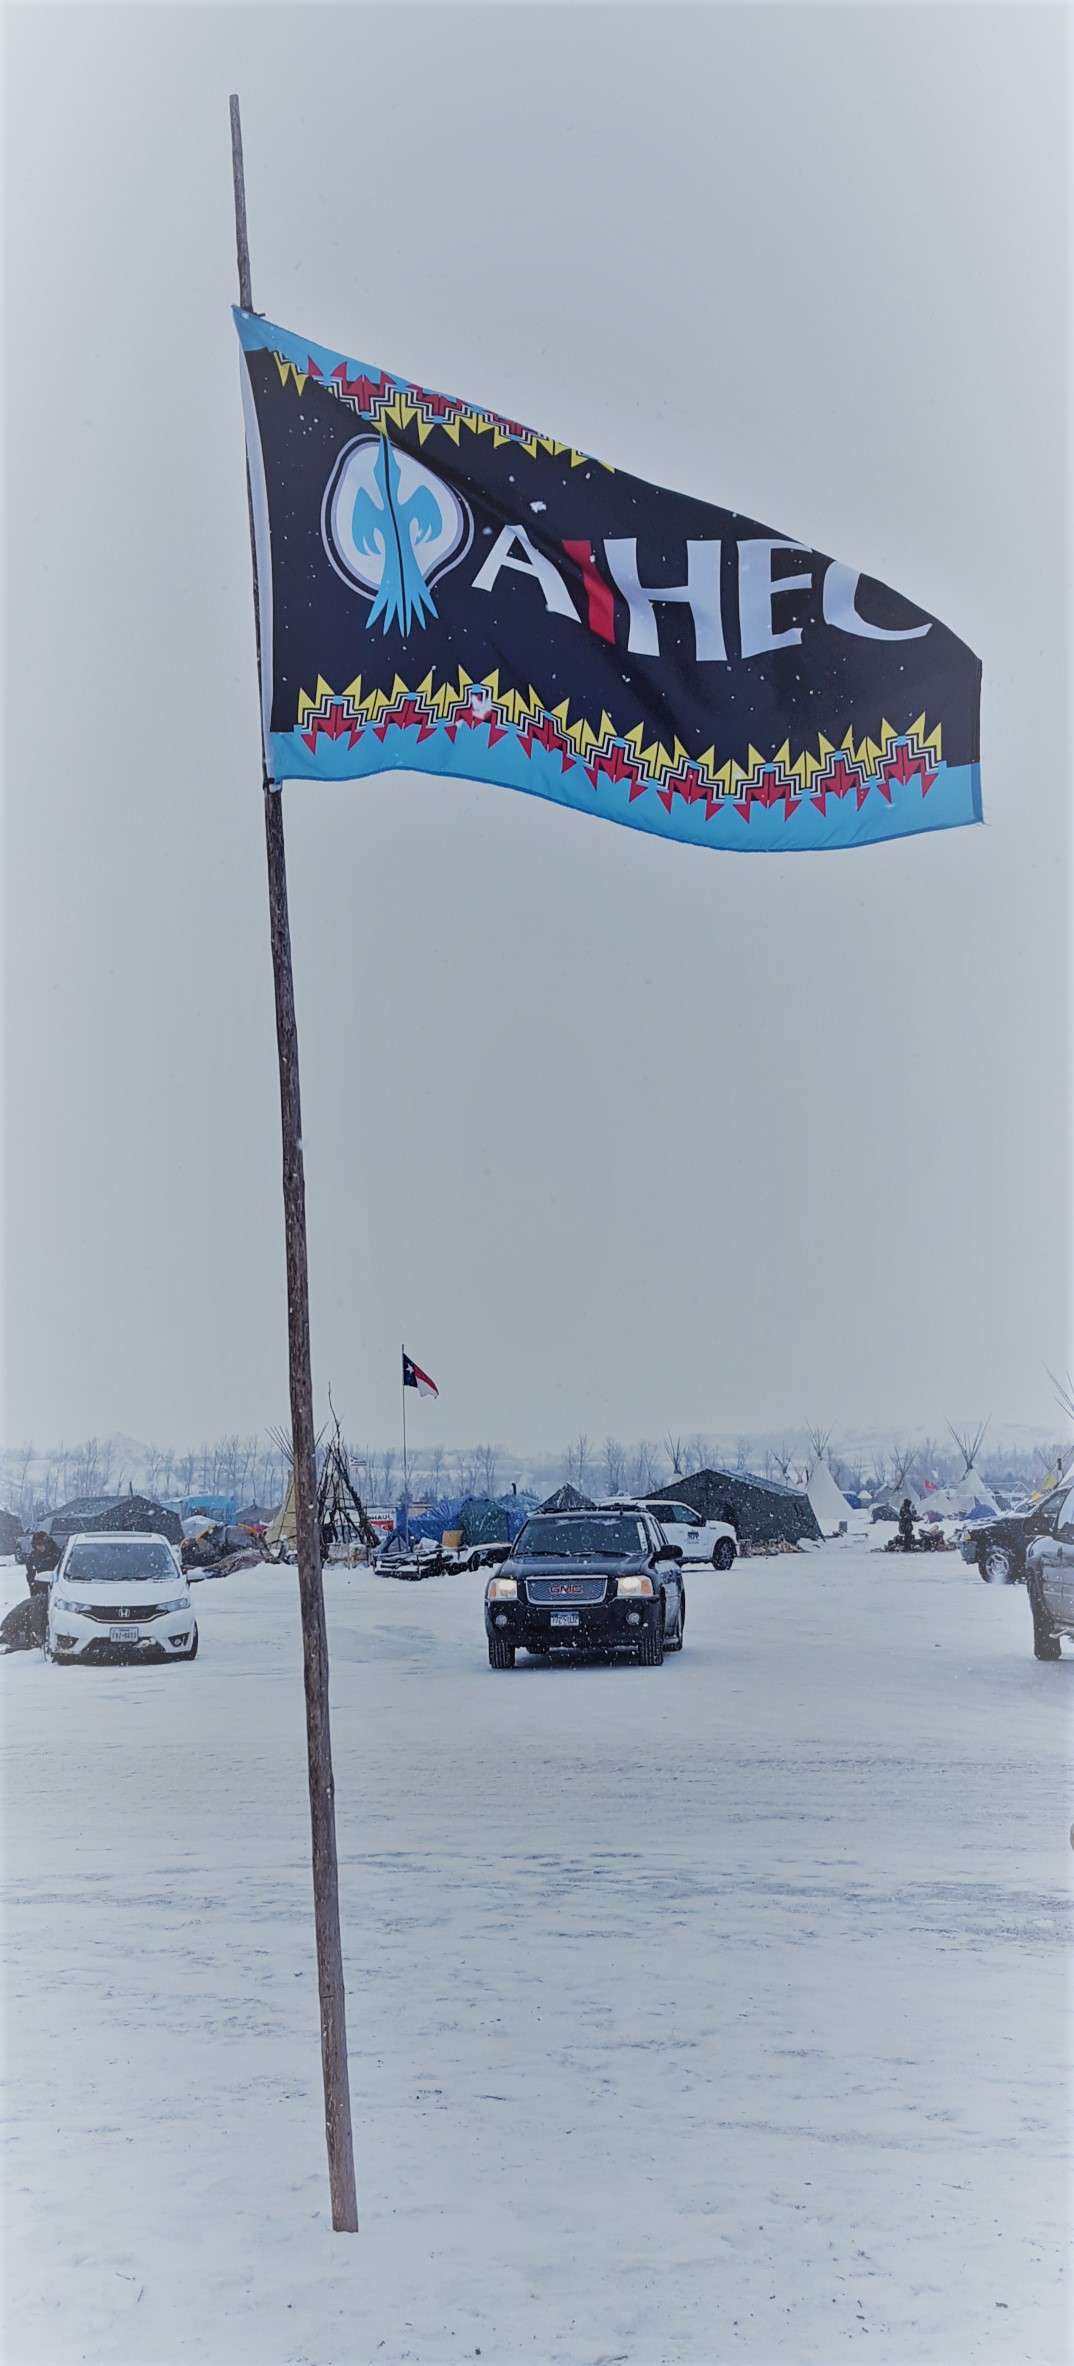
{"x": 337, "y": 2100}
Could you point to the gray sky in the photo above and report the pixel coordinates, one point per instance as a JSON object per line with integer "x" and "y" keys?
{"x": 614, "y": 1133}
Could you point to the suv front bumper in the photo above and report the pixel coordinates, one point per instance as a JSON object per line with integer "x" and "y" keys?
{"x": 617, "y": 1625}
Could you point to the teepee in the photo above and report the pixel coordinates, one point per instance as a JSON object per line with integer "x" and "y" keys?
{"x": 970, "y": 1493}
{"x": 827, "y": 1501}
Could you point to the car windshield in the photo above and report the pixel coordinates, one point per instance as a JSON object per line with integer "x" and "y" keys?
{"x": 120, "y": 1562}
{"x": 566, "y": 1538}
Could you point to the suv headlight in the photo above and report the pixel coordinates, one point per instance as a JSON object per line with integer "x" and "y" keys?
{"x": 181, "y": 1602}
{"x": 502, "y": 1589}
{"x": 635, "y": 1585}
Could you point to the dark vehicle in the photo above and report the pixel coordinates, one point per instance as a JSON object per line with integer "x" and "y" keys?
{"x": 999, "y": 1546}
{"x": 587, "y": 1581}
{"x": 1050, "y": 1583}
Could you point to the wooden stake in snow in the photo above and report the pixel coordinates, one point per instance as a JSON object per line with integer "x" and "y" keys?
{"x": 337, "y": 2099}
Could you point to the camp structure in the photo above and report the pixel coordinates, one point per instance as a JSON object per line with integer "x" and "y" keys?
{"x": 109, "y": 1512}
{"x": 567, "y": 1499}
{"x": 341, "y": 1515}
{"x": 899, "y": 1489}
{"x": 761, "y": 1511}
{"x": 829, "y": 1504}
{"x": 10, "y": 1532}
{"x": 970, "y": 1494}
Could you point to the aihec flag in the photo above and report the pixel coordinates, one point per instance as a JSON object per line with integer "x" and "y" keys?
{"x": 446, "y": 591}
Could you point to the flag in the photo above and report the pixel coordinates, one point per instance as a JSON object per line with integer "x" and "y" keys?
{"x": 447, "y": 591}
{"x": 414, "y": 1377}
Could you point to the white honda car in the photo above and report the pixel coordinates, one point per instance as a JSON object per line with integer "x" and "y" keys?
{"x": 121, "y": 1596}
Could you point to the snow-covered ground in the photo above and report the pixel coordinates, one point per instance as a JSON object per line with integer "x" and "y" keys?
{"x": 709, "y": 2012}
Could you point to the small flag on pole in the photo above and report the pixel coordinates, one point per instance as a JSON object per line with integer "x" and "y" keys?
{"x": 444, "y": 590}
{"x": 414, "y": 1377}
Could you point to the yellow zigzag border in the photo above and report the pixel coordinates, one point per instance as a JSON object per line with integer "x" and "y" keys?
{"x": 519, "y": 709}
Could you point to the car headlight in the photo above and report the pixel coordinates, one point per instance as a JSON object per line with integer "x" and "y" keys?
{"x": 62, "y": 1602}
{"x": 181, "y": 1602}
{"x": 635, "y": 1585}
{"x": 502, "y": 1589}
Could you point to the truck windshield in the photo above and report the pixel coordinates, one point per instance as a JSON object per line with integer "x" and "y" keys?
{"x": 120, "y": 1562}
{"x": 575, "y": 1535}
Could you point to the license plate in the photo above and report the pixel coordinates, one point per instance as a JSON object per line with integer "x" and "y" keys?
{"x": 123, "y": 1634}
{"x": 563, "y": 1618}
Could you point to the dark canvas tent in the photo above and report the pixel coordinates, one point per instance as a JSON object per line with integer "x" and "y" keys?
{"x": 484, "y": 1521}
{"x": 10, "y": 1531}
{"x": 567, "y": 1499}
{"x": 88, "y": 1512}
{"x": 761, "y": 1510}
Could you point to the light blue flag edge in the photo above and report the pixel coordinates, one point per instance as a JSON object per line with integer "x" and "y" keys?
{"x": 953, "y": 799}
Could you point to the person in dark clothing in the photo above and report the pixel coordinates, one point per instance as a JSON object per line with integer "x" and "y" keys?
{"x": 39, "y": 1558}
{"x": 907, "y": 1538}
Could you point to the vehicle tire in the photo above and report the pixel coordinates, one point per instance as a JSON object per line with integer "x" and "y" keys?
{"x": 651, "y": 1647}
{"x": 998, "y": 1565}
{"x": 724, "y": 1554}
{"x": 501, "y": 1655}
{"x": 1046, "y": 1644}
{"x": 679, "y": 1626}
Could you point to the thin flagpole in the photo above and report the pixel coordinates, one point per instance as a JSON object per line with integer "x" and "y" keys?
{"x": 406, "y": 1483}
{"x": 337, "y": 2100}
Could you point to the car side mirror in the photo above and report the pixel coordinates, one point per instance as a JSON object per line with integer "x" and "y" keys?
{"x": 668, "y": 1552}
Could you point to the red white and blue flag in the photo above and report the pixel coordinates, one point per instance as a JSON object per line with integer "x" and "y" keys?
{"x": 414, "y": 1377}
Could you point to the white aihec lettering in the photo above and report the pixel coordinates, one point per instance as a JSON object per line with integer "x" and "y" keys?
{"x": 700, "y": 593}
{"x": 840, "y": 591}
{"x": 757, "y": 588}
{"x": 513, "y": 548}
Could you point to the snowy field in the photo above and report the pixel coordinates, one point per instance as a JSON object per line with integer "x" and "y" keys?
{"x": 711, "y": 2012}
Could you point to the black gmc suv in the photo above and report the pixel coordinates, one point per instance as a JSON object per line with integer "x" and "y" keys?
{"x": 999, "y": 1546}
{"x": 587, "y": 1581}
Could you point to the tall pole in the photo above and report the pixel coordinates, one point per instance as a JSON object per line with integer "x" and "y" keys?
{"x": 406, "y": 1483}
{"x": 337, "y": 2100}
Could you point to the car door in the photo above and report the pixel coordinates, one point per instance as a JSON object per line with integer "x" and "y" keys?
{"x": 669, "y": 1574}
{"x": 1056, "y": 1561}
{"x": 687, "y": 1531}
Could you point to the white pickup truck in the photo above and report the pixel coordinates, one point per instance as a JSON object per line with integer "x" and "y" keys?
{"x": 699, "y": 1540}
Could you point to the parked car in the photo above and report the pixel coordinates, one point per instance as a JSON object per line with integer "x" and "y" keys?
{"x": 701, "y": 1540}
{"x": 999, "y": 1546}
{"x": 1050, "y": 1582}
{"x": 587, "y": 1581}
{"x": 120, "y": 1596}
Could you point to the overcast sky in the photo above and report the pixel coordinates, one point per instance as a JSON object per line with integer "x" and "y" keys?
{"x": 615, "y": 1134}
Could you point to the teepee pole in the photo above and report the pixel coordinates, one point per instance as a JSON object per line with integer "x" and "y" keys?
{"x": 337, "y": 2101}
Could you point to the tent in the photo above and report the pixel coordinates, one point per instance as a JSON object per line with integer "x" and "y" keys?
{"x": 283, "y": 1526}
{"x": 484, "y": 1521}
{"x": 107, "y": 1512}
{"x": 829, "y": 1504}
{"x": 567, "y": 1499}
{"x": 761, "y": 1511}
{"x": 10, "y": 1531}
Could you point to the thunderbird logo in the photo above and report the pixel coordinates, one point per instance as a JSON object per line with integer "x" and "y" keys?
{"x": 390, "y": 527}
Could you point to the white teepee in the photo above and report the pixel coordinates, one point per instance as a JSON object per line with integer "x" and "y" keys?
{"x": 829, "y": 1504}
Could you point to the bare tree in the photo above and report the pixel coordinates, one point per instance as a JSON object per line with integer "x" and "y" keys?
{"x": 578, "y": 1461}
{"x": 673, "y": 1449}
{"x": 487, "y": 1462}
{"x": 697, "y": 1452}
{"x": 614, "y": 1460}
{"x": 468, "y": 1470}
{"x": 436, "y": 1471}
{"x": 644, "y": 1474}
